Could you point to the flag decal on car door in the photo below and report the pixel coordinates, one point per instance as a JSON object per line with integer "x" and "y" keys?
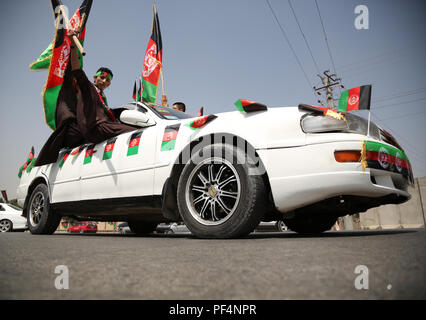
{"x": 169, "y": 137}
{"x": 134, "y": 143}
{"x": 109, "y": 148}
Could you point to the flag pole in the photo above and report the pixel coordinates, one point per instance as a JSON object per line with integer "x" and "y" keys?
{"x": 369, "y": 119}
{"x": 369, "y": 112}
{"x": 74, "y": 38}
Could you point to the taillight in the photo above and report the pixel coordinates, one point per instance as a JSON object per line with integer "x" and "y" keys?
{"x": 348, "y": 156}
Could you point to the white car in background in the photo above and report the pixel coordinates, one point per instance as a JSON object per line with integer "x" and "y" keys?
{"x": 11, "y": 218}
{"x": 222, "y": 174}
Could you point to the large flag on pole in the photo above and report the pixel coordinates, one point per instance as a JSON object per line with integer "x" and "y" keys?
{"x": 60, "y": 57}
{"x": 79, "y": 17}
{"x": 358, "y": 98}
{"x": 152, "y": 62}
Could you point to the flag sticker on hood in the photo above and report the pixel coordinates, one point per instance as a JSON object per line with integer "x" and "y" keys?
{"x": 89, "y": 154}
{"x": 169, "y": 137}
{"x": 246, "y": 106}
{"x": 109, "y": 148}
{"x": 134, "y": 143}
{"x": 198, "y": 123}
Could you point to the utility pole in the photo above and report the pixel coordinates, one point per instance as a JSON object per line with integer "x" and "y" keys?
{"x": 329, "y": 83}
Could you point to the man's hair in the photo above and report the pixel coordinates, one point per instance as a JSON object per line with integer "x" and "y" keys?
{"x": 181, "y": 106}
{"x": 104, "y": 69}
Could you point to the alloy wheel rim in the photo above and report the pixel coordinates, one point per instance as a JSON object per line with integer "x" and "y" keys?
{"x": 37, "y": 208}
{"x": 4, "y": 226}
{"x": 213, "y": 191}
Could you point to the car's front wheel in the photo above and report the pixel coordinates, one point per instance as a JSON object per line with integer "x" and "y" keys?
{"x": 6, "y": 226}
{"x": 217, "y": 195}
{"x": 41, "y": 219}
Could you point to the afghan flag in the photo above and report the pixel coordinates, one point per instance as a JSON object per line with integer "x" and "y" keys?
{"x": 201, "y": 112}
{"x": 64, "y": 158}
{"x": 55, "y": 78}
{"x": 249, "y": 106}
{"x": 29, "y": 159}
{"x": 198, "y": 123}
{"x": 152, "y": 62}
{"x": 358, "y": 98}
{"x": 89, "y": 154}
{"x": 135, "y": 139}
{"x": 169, "y": 137}
{"x": 4, "y": 195}
{"x": 80, "y": 16}
{"x": 109, "y": 148}
{"x": 384, "y": 157}
{"x": 31, "y": 165}
{"x": 134, "y": 92}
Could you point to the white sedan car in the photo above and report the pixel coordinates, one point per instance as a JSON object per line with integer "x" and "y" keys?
{"x": 11, "y": 218}
{"x": 222, "y": 174}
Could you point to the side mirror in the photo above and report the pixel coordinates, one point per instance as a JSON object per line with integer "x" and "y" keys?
{"x": 136, "y": 118}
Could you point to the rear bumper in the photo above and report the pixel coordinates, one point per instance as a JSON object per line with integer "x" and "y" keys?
{"x": 309, "y": 174}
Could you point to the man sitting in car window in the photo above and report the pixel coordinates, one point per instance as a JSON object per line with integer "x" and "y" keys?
{"x": 82, "y": 113}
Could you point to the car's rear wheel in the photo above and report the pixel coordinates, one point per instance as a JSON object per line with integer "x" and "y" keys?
{"x": 310, "y": 224}
{"x": 217, "y": 195}
{"x": 6, "y": 226}
{"x": 41, "y": 219}
{"x": 141, "y": 227}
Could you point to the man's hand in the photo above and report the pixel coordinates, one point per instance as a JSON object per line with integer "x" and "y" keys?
{"x": 164, "y": 102}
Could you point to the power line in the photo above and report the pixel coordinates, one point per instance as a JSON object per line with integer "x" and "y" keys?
{"x": 404, "y": 115}
{"x": 399, "y": 103}
{"x": 291, "y": 47}
{"x": 399, "y": 95}
{"x": 387, "y": 53}
{"x": 326, "y": 40}
{"x": 303, "y": 34}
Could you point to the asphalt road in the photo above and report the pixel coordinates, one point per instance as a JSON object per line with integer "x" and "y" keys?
{"x": 261, "y": 266}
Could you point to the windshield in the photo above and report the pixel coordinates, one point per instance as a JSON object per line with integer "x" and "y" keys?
{"x": 169, "y": 113}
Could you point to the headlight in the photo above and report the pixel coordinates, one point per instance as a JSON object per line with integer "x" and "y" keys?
{"x": 317, "y": 124}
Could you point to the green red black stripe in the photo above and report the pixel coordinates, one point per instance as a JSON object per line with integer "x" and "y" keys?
{"x": 89, "y": 154}
{"x": 169, "y": 137}
{"x": 385, "y": 157}
{"x": 198, "y": 123}
{"x": 358, "y": 98}
{"x": 134, "y": 142}
{"x": 244, "y": 105}
{"x": 109, "y": 148}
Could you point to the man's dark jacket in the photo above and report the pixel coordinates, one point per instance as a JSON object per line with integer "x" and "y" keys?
{"x": 79, "y": 120}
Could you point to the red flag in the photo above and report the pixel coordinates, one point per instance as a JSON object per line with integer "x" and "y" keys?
{"x": 201, "y": 112}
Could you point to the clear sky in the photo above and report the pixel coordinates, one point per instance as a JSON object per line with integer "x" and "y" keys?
{"x": 215, "y": 52}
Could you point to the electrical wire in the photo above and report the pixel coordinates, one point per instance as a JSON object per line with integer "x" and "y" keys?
{"x": 399, "y": 95}
{"x": 291, "y": 47}
{"x": 398, "y": 103}
{"x": 325, "y": 35}
{"x": 303, "y": 35}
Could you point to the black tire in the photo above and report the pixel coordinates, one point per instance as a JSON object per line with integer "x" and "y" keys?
{"x": 310, "y": 224}
{"x": 6, "y": 225}
{"x": 227, "y": 209}
{"x": 41, "y": 220}
{"x": 142, "y": 227}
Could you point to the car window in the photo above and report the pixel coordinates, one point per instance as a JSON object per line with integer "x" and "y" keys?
{"x": 1, "y": 208}
{"x": 14, "y": 207}
{"x": 169, "y": 113}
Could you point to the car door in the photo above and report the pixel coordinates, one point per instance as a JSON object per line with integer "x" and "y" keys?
{"x": 64, "y": 176}
{"x": 120, "y": 167}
